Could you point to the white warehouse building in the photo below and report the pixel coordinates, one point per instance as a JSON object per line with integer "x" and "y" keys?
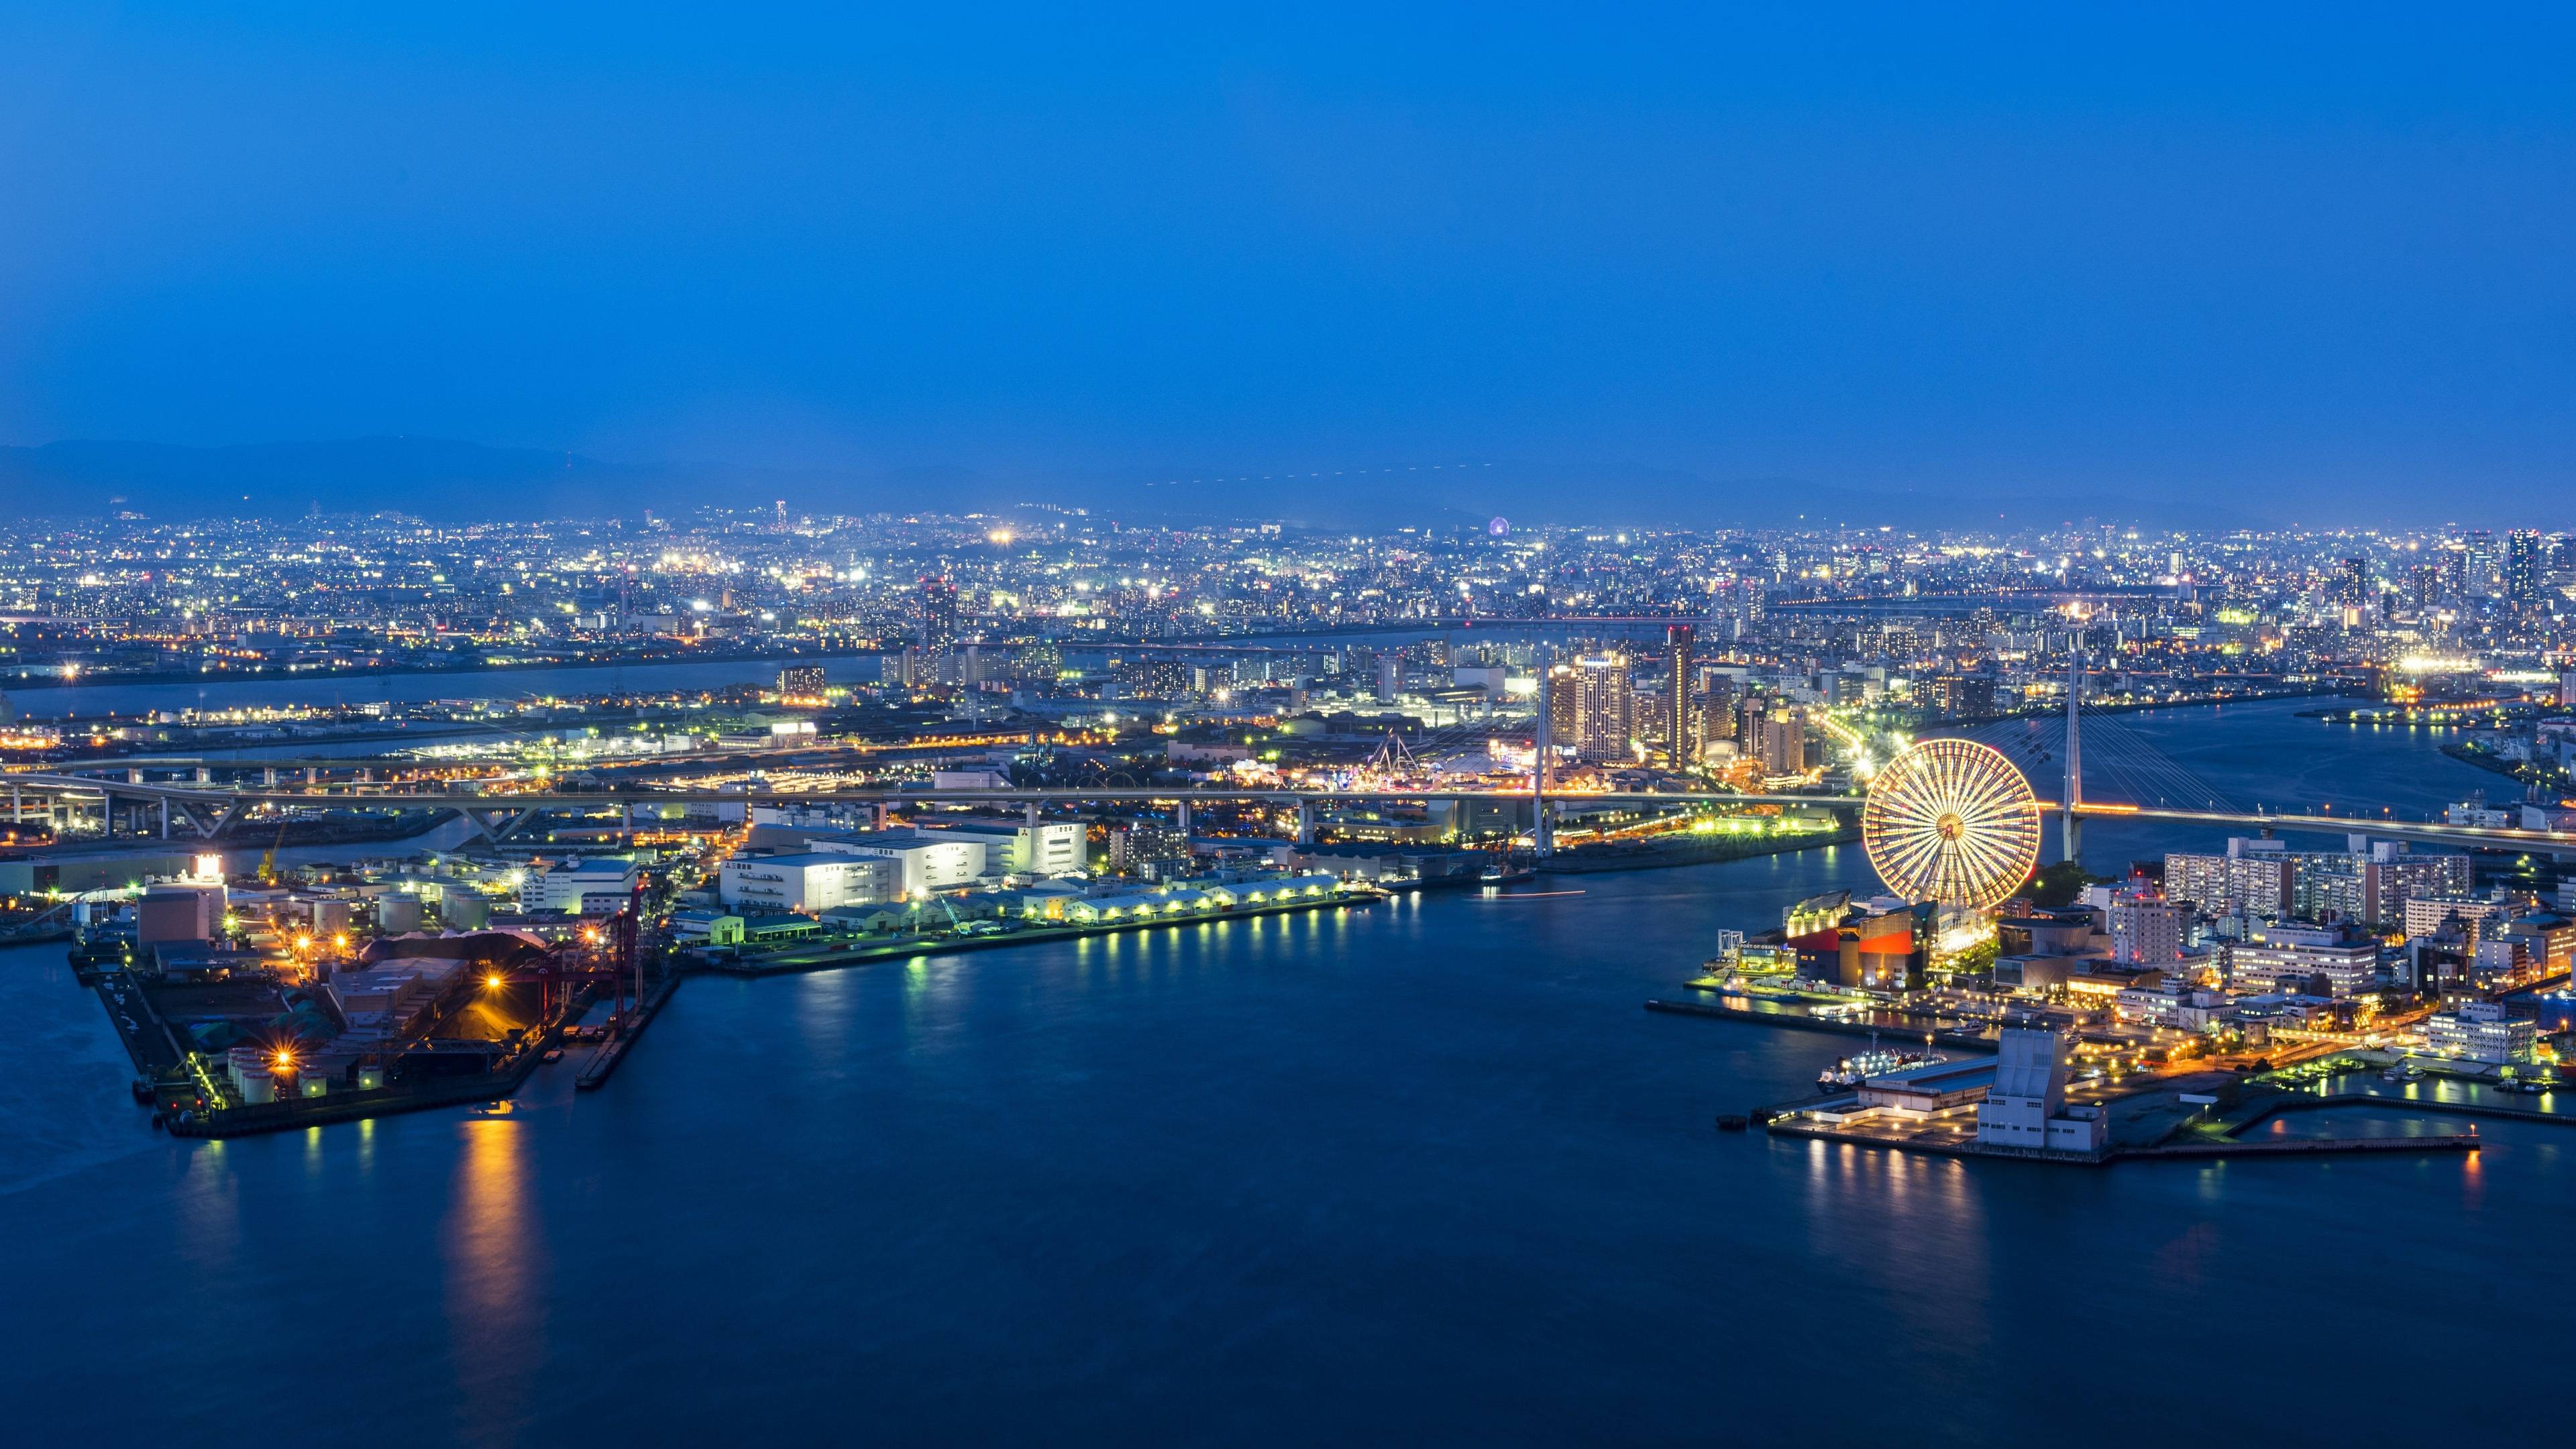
{"x": 811, "y": 882}
{"x": 561, "y": 889}
{"x": 1046, "y": 849}
{"x": 924, "y": 860}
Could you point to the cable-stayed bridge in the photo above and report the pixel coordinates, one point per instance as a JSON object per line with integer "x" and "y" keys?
{"x": 200, "y": 811}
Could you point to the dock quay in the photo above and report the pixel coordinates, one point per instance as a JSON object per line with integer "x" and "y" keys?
{"x": 430, "y": 1094}
{"x": 291, "y": 1116}
{"x": 603, "y": 1063}
{"x": 297, "y": 1113}
{"x": 2215, "y": 1146}
{"x": 2171, "y": 1138}
{"x": 1973, "y": 1041}
{"x": 834, "y": 957}
{"x": 2381, "y": 1101}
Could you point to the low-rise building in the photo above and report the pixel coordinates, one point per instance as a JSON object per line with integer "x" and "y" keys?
{"x": 2148, "y": 930}
{"x": 564, "y": 889}
{"x": 706, "y": 928}
{"x": 2294, "y": 958}
{"x": 2482, "y": 1031}
{"x": 1932, "y": 1087}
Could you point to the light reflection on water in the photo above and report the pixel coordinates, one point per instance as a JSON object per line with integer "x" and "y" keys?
{"x": 494, "y": 1262}
{"x": 1418, "y": 1171}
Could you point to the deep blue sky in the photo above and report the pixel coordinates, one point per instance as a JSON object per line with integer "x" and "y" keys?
{"x": 2317, "y": 257}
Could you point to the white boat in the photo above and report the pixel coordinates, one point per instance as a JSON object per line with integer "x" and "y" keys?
{"x": 1859, "y": 1067}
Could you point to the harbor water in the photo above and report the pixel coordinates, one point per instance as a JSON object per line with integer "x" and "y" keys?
{"x": 1422, "y": 1171}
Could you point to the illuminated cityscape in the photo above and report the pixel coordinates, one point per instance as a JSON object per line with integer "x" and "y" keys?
{"x": 1372, "y": 726}
{"x": 948, "y": 734}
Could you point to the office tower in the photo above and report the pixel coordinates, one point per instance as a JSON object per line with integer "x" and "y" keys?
{"x": 2522, "y": 567}
{"x": 935, "y": 616}
{"x": 2423, "y": 585}
{"x": 801, "y": 681}
{"x": 1681, "y": 718}
{"x": 2352, "y": 581}
{"x": 2456, "y": 568}
{"x": 2484, "y": 566}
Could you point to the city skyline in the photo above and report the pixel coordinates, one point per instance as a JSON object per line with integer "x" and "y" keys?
{"x": 1354, "y": 725}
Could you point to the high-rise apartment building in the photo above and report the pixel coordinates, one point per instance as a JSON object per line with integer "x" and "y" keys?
{"x": 1564, "y": 708}
{"x": 1681, "y": 717}
{"x": 1784, "y": 741}
{"x": 1604, "y": 723}
{"x": 1717, "y": 710}
{"x": 935, "y": 616}
{"x": 2252, "y": 878}
{"x": 2371, "y": 882}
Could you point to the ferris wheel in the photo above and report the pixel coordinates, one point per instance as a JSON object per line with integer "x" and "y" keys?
{"x": 1951, "y": 821}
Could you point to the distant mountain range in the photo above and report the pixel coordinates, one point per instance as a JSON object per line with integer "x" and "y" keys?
{"x": 450, "y": 481}
{"x": 431, "y": 477}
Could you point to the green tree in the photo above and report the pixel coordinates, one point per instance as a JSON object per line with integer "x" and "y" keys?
{"x": 2059, "y": 884}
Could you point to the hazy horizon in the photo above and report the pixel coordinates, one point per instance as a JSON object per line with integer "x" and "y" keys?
{"x": 2298, "y": 266}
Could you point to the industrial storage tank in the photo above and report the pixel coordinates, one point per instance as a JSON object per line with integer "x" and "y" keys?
{"x": 396, "y": 914}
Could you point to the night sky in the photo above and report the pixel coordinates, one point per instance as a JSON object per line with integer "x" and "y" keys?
{"x": 2311, "y": 264}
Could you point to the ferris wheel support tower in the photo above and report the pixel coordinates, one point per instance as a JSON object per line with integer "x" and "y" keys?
{"x": 2070, "y": 829}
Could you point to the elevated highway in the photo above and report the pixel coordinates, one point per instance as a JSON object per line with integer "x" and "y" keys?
{"x": 207, "y": 808}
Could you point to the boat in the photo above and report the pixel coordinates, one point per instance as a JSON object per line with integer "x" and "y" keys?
{"x": 1502, "y": 876}
{"x": 1878, "y": 1061}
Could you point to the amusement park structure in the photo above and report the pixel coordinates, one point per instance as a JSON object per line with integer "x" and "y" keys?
{"x": 1951, "y": 821}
